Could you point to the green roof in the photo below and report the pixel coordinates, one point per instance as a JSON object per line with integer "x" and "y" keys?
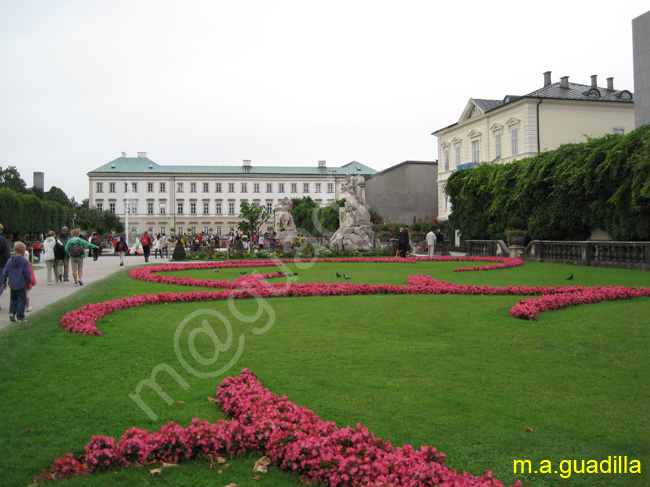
{"x": 144, "y": 165}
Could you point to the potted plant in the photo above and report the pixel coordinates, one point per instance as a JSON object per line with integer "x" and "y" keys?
{"x": 516, "y": 232}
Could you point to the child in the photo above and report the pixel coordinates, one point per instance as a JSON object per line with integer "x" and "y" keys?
{"x": 18, "y": 273}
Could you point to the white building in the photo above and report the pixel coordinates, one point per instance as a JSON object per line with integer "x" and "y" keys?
{"x": 522, "y": 126}
{"x": 194, "y": 199}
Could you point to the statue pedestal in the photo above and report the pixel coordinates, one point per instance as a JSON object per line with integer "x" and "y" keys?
{"x": 354, "y": 238}
{"x": 516, "y": 250}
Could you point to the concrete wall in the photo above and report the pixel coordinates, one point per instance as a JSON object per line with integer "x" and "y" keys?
{"x": 641, "y": 43}
{"x": 404, "y": 191}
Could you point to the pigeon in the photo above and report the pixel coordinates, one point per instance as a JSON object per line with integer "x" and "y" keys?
{"x": 346, "y": 276}
{"x": 216, "y": 270}
{"x": 292, "y": 274}
{"x": 338, "y": 275}
{"x": 570, "y": 277}
{"x": 243, "y": 272}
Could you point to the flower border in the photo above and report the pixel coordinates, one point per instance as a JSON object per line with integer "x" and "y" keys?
{"x": 84, "y": 320}
{"x": 292, "y": 437}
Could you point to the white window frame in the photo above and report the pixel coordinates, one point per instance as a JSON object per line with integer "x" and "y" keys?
{"x": 99, "y": 187}
{"x": 476, "y": 151}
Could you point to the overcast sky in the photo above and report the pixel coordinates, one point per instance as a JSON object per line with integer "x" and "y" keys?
{"x": 278, "y": 82}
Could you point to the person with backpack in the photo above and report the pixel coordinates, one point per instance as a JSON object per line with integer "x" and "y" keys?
{"x": 97, "y": 242}
{"x": 75, "y": 250}
{"x": 59, "y": 258}
{"x": 145, "y": 241}
{"x": 63, "y": 238}
{"x": 121, "y": 248}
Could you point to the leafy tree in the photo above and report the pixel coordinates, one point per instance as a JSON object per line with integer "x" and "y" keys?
{"x": 304, "y": 212}
{"x": 253, "y": 215}
{"x": 10, "y": 178}
{"x": 328, "y": 216}
{"x": 56, "y": 195}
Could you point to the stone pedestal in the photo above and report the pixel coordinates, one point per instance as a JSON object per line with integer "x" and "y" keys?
{"x": 516, "y": 250}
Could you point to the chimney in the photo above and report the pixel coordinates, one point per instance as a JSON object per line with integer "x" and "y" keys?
{"x": 247, "y": 165}
{"x": 142, "y": 154}
{"x": 594, "y": 81}
{"x": 321, "y": 164}
{"x": 610, "y": 84}
{"x": 564, "y": 81}
{"x": 547, "y": 78}
{"x": 123, "y": 154}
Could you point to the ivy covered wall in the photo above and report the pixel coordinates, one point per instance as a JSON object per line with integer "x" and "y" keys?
{"x": 560, "y": 194}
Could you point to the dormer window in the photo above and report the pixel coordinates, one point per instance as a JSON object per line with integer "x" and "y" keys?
{"x": 626, "y": 95}
{"x": 593, "y": 93}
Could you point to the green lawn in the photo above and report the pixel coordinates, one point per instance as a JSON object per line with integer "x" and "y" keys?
{"x": 455, "y": 372}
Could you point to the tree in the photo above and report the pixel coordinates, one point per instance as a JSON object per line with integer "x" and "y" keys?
{"x": 253, "y": 215}
{"x": 10, "y": 178}
{"x": 56, "y": 195}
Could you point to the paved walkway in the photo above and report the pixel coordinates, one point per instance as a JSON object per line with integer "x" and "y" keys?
{"x": 42, "y": 295}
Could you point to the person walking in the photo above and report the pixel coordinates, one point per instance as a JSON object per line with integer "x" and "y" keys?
{"x": 156, "y": 247}
{"x": 404, "y": 241}
{"x": 77, "y": 253}
{"x": 97, "y": 242}
{"x": 50, "y": 258}
{"x": 121, "y": 248}
{"x": 16, "y": 275}
{"x": 440, "y": 238}
{"x": 145, "y": 241}
{"x": 63, "y": 238}
{"x": 5, "y": 254}
{"x": 431, "y": 242}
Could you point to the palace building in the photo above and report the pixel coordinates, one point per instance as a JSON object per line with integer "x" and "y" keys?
{"x": 194, "y": 199}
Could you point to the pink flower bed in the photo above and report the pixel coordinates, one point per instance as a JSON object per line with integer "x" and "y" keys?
{"x": 84, "y": 320}
{"x": 293, "y": 437}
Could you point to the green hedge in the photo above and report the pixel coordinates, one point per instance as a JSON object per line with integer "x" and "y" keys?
{"x": 561, "y": 194}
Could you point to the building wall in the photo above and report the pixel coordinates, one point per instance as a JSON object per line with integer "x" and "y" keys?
{"x": 566, "y": 121}
{"x": 405, "y": 191}
{"x": 560, "y": 121}
{"x": 140, "y": 219}
{"x": 641, "y": 44}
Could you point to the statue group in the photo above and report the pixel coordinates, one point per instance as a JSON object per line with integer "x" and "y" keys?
{"x": 355, "y": 230}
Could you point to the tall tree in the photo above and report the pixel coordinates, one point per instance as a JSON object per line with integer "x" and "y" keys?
{"x": 10, "y": 178}
{"x": 56, "y": 195}
{"x": 253, "y": 215}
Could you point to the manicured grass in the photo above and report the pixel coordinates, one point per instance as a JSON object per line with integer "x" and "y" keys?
{"x": 455, "y": 372}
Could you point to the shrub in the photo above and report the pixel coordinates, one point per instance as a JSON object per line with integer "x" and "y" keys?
{"x": 179, "y": 251}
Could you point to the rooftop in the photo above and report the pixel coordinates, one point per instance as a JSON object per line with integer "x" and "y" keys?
{"x": 144, "y": 165}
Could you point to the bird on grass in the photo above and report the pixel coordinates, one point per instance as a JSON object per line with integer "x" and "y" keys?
{"x": 243, "y": 272}
{"x": 346, "y": 276}
{"x": 292, "y": 274}
{"x": 570, "y": 277}
{"x": 216, "y": 270}
{"x": 338, "y": 275}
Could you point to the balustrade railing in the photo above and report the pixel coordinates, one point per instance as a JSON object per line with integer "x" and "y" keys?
{"x": 624, "y": 255}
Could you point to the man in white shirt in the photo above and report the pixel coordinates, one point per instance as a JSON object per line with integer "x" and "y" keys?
{"x": 431, "y": 242}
